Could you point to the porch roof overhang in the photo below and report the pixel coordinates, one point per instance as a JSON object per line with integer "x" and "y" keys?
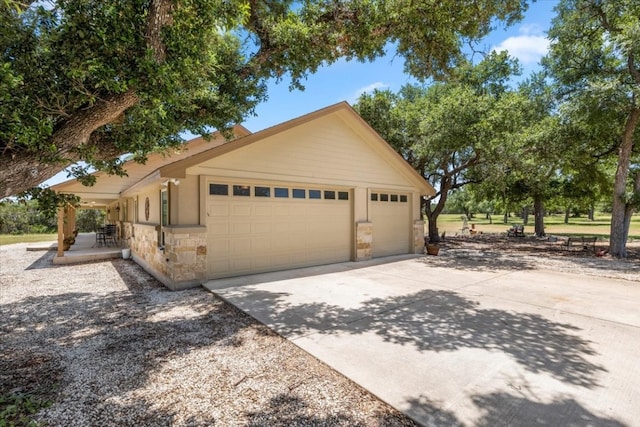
{"x": 109, "y": 188}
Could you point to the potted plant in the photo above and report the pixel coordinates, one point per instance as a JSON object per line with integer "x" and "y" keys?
{"x": 69, "y": 240}
{"x": 432, "y": 247}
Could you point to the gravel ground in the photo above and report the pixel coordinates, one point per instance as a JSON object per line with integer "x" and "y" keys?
{"x": 107, "y": 345}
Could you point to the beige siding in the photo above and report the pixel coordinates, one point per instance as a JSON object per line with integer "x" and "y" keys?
{"x": 188, "y": 201}
{"x": 154, "y": 206}
{"x": 326, "y": 150}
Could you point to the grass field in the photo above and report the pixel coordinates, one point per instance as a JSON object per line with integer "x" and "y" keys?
{"x": 9, "y": 239}
{"x": 554, "y": 224}
{"x": 452, "y": 224}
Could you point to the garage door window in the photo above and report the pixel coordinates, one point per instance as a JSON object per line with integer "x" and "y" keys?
{"x": 262, "y": 191}
{"x": 218, "y": 189}
{"x": 241, "y": 190}
{"x": 281, "y": 192}
{"x": 402, "y": 198}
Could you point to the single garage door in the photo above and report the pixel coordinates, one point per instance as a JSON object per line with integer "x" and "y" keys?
{"x": 390, "y": 215}
{"x": 260, "y": 228}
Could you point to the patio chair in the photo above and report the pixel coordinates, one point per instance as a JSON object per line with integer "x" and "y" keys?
{"x": 110, "y": 235}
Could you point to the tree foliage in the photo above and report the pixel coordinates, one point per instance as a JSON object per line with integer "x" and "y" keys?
{"x": 449, "y": 131}
{"x": 25, "y": 218}
{"x": 595, "y": 61}
{"x": 89, "y": 80}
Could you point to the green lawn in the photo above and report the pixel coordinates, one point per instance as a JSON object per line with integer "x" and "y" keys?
{"x": 451, "y": 223}
{"x": 554, "y": 224}
{"x": 9, "y": 239}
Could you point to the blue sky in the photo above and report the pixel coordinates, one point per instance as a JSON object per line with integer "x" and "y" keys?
{"x": 345, "y": 81}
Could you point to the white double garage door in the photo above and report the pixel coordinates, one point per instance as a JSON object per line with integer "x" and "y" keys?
{"x": 255, "y": 228}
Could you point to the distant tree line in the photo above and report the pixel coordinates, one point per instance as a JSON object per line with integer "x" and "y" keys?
{"x": 25, "y": 217}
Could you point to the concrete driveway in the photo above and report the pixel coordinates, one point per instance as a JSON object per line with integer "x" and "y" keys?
{"x": 458, "y": 347}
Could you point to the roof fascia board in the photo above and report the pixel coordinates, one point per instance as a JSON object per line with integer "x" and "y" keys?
{"x": 150, "y": 179}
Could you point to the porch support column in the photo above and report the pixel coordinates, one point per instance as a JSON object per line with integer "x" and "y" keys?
{"x": 60, "y": 232}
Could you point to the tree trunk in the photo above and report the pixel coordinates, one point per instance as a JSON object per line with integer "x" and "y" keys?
{"x": 621, "y": 211}
{"x": 592, "y": 213}
{"x": 567, "y": 212}
{"x": 525, "y": 215}
{"x": 432, "y": 215}
{"x": 22, "y": 170}
{"x": 434, "y": 237}
{"x": 538, "y": 211}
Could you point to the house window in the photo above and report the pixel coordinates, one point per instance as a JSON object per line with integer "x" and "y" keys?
{"x": 315, "y": 194}
{"x": 281, "y": 192}
{"x": 384, "y": 197}
{"x": 403, "y": 199}
{"x": 241, "y": 190}
{"x": 374, "y": 197}
{"x": 218, "y": 189}
{"x": 299, "y": 193}
{"x": 343, "y": 195}
{"x": 262, "y": 191}
{"x": 329, "y": 194}
{"x": 394, "y": 197}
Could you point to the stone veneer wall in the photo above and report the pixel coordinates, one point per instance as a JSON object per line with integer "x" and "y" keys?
{"x": 418, "y": 236}
{"x": 185, "y": 248}
{"x": 364, "y": 241}
{"x": 145, "y": 251}
{"x": 182, "y": 263}
{"x": 127, "y": 233}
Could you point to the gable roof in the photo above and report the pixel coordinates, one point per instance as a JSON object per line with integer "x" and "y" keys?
{"x": 343, "y": 109}
{"x": 109, "y": 187}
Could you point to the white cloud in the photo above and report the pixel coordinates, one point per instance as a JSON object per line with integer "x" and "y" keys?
{"x": 530, "y": 29}
{"x": 367, "y": 89}
{"x": 529, "y": 47}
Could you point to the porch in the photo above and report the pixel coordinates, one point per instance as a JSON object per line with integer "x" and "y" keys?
{"x": 85, "y": 250}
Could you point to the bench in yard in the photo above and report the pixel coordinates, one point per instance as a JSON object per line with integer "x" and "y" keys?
{"x": 581, "y": 243}
{"x": 516, "y": 231}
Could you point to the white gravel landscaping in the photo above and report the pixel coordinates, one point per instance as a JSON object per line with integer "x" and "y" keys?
{"x": 106, "y": 345}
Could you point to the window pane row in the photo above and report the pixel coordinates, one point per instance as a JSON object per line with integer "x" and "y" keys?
{"x": 278, "y": 192}
{"x": 384, "y": 197}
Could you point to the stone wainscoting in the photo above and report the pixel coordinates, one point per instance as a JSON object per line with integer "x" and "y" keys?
{"x": 181, "y": 263}
{"x": 418, "y": 236}
{"x": 185, "y": 250}
{"x": 364, "y": 241}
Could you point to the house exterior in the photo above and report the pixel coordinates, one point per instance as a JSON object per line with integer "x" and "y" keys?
{"x": 319, "y": 189}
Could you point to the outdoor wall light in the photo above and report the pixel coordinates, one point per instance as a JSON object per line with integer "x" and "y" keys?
{"x": 174, "y": 181}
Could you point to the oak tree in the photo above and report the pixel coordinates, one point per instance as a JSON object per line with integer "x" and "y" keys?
{"x": 595, "y": 60}
{"x": 89, "y": 80}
